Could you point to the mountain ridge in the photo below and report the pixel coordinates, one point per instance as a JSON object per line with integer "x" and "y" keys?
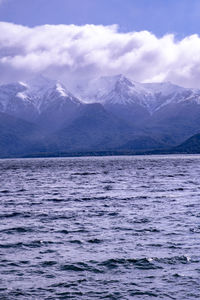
{"x": 104, "y": 89}
{"x": 110, "y": 113}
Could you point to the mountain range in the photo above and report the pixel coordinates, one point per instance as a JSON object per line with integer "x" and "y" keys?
{"x": 40, "y": 116}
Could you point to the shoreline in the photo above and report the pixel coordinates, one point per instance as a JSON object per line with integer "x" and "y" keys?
{"x": 95, "y": 154}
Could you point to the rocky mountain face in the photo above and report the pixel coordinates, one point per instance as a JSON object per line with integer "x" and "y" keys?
{"x": 110, "y": 113}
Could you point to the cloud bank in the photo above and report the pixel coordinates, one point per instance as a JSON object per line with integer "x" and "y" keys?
{"x": 71, "y": 52}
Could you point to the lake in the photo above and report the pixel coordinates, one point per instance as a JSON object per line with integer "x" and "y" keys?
{"x": 100, "y": 228}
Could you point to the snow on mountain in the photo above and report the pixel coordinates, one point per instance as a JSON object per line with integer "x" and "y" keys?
{"x": 98, "y": 89}
{"x": 50, "y": 92}
{"x": 119, "y": 90}
{"x": 14, "y": 97}
{"x": 165, "y": 88}
{"x": 131, "y": 113}
{"x": 38, "y": 93}
{"x": 46, "y": 92}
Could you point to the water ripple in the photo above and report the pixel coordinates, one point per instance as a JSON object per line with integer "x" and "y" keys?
{"x": 100, "y": 228}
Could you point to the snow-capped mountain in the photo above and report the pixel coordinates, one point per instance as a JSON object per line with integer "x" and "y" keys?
{"x": 112, "y": 113}
{"x": 115, "y": 89}
{"x": 166, "y": 111}
{"x": 37, "y": 98}
{"x": 46, "y": 92}
{"x": 14, "y": 100}
{"x": 39, "y": 93}
{"x": 119, "y": 90}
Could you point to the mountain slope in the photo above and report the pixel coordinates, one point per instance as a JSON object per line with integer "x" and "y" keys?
{"x": 15, "y": 101}
{"x": 94, "y": 129}
{"x": 190, "y": 146}
{"x": 18, "y": 136}
{"x": 142, "y": 143}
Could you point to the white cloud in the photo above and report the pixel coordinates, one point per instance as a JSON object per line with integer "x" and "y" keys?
{"x": 84, "y": 52}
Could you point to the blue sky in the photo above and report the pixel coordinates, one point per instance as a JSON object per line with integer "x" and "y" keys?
{"x": 181, "y": 17}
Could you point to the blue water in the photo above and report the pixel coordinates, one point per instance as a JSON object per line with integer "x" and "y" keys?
{"x": 100, "y": 228}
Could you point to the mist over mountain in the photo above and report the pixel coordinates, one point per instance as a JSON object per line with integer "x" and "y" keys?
{"x": 106, "y": 114}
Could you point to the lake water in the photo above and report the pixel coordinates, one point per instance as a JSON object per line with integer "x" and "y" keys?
{"x": 100, "y": 228}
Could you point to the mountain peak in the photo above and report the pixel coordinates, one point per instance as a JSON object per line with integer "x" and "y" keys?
{"x": 120, "y": 77}
{"x": 122, "y": 81}
{"x": 119, "y": 89}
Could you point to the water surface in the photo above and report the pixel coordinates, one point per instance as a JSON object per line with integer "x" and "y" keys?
{"x": 100, "y": 228}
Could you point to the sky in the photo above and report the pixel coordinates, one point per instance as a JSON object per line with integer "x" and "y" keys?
{"x": 146, "y": 40}
{"x": 181, "y": 17}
